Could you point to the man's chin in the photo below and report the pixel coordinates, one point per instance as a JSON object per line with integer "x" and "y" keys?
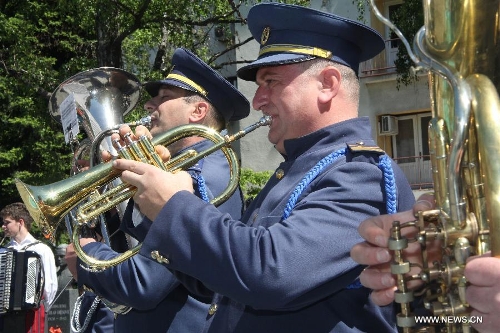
{"x": 272, "y": 138}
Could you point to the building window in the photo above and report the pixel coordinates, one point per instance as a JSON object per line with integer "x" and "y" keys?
{"x": 411, "y": 148}
{"x": 392, "y": 50}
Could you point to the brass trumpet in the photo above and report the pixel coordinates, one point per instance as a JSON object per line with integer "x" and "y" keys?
{"x": 48, "y": 204}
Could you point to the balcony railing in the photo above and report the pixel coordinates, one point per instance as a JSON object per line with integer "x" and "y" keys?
{"x": 383, "y": 63}
{"x": 417, "y": 170}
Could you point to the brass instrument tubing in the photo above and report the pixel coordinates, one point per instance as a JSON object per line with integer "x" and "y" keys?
{"x": 122, "y": 151}
{"x": 188, "y": 154}
{"x": 135, "y": 149}
{"x": 423, "y": 59}
{"x": 458, "y": 47}
{"x": 147, "y": 147}
{"x": 125, "y": 191}
{"x": 461, "y": 102}
{"x": 49, "y": 204}
{"x": 486, "y": 108}
{"x": 94, "y": 151}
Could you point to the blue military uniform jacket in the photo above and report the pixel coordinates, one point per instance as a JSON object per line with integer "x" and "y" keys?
{"x": 160, "y": 303}
{"x": 285, "y": 267}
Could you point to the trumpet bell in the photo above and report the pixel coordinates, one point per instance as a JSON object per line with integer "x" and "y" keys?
{"x": 48, "y": 204}
{"x": 37, "y": 212}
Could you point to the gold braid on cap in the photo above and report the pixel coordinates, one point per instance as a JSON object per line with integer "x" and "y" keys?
{"x": 298, "y": 49}
{"x": 199, "y": 89}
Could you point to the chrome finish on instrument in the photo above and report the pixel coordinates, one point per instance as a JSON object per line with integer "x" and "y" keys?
{"x": 103, "y": 96}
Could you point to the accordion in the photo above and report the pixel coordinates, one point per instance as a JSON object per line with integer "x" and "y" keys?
{"x": 21, "y": 280}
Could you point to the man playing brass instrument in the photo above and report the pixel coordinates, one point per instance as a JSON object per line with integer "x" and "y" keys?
{"x": 192, "y": 93}
{"x": 285, "y": 266}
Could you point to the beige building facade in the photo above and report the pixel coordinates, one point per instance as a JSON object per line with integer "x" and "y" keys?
{"x": 399, "y": 117}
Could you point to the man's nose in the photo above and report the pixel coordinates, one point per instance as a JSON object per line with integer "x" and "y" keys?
{"x": 150, "y": 106}
{"x": 259, "y": 99}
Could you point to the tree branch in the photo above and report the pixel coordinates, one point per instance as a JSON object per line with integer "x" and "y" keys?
{"x": 232, "y": 47}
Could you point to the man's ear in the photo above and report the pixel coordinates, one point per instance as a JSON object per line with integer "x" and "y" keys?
{"x": 199, "y": 113}
{"x": 330, "y": 84}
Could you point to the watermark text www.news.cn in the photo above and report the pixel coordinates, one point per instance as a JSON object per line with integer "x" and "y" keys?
{"x": 448, "y": 319}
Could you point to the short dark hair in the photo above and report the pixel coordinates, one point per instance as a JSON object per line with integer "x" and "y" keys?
{"x": 349, "y": 78}
{"x": 214, "y": 117}
{"x": 17, "y": 211}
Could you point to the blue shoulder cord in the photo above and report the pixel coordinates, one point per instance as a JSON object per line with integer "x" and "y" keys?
{"x": 202, "y": 188}
{"x": 389, "y": 181}
{"x": 385, "y": 165}
{"x": 308, "y": 178}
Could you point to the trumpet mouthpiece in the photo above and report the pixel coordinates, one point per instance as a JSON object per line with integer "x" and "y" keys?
{"x": 145, "y": 121}
{"x": 266, "y": 121}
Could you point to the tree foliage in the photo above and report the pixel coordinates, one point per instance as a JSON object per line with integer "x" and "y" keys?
{"x": 44, "y": 42}
{"x": 409, "y": 18}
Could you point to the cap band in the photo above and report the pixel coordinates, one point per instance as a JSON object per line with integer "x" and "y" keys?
{"x": 185, "y": 80}
{"x": 299, "y": 49}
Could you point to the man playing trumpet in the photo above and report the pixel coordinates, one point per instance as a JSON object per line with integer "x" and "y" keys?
{"x": 285, "y": 265}
{"x": 193, "y": 93}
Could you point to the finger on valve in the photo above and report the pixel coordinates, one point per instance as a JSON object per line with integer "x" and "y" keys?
{"x": 115, "y": 137}
{"x": 163, "y": 152}
{"x": 106, "y": 156}
{"x": 141, "y": 131}
{"x": 124, "y": 129}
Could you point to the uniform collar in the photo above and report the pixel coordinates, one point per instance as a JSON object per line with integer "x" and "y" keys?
{"x": 348, "y": 131}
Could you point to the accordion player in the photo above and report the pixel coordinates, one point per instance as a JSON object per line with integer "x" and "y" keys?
{"x": 21, "y": 280}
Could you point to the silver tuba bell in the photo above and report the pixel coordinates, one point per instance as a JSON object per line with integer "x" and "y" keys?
{"x": 102, "y": 97}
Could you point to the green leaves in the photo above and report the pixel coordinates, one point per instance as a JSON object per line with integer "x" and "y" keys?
{"x": 409, "y": 18}
{"x": 252, "y": 182}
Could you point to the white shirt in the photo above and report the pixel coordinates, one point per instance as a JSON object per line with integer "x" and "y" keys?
{"x": 48, "y": 262}
{"x": 137, "y": 216}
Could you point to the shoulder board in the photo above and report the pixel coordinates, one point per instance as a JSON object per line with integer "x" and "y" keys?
{"x": 360, "y": 147}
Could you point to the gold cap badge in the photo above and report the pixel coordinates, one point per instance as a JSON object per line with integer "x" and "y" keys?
{"x": 265, "y": 35}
